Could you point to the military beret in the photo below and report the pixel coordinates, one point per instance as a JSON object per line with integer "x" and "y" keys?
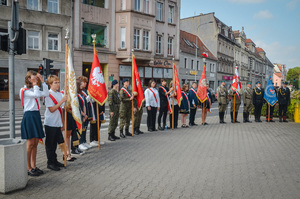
{"x": 249, "y": 82}
{"x": 258, "y": 82}
{"x": 114, "y": 82}
{"x": 285, "y": 82}
{"x": 125, "y": 80}
{"x": 222, "y": 81}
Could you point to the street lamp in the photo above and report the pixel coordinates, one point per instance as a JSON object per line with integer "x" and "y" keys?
{"x": 197, "y": 46}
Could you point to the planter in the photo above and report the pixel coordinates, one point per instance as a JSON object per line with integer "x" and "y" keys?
{"x": 13, "y": 165}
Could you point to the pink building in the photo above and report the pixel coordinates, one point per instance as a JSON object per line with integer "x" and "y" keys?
{"x": 277, "y": 79}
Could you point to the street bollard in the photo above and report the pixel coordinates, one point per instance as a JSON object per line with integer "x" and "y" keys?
{"x": 297, "y": 114}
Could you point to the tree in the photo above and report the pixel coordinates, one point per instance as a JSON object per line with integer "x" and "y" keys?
{"x": 293, "y": 76}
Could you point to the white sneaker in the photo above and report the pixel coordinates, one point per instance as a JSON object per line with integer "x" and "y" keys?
{"x": 94, "y": 143}
{"x": 101, "y": 143}
{"x": 82, "y": 147}
{"x": 87, "y": 145}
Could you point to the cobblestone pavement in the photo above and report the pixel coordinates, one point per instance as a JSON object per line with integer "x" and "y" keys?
{"x": 257, "y": 160}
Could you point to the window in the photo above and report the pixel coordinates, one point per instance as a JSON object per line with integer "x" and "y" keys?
{"x": 53, "y": 41}
{"x": 3, "y": 2}
{"x": 137, "y": 5}
{"x": 123, "y": 38}
{"x": 33, "y": 40}
{"x": 185, "y": 62}
{"x": 136, "y": 39}
{"x": 33, "y": 4}
{"x": 147, "y": 6}
{"x": 123, "y": 4}
{"x": 170, "y": 46}
{"x": 53, "y": 6}
{"x": 192, "y": 64}
{"x": 146, "y": 40}
{"x": 159, "y": 11}
{"x": 158, "y": 44}
{"x": 89, "y": 29}
{"x": 171, "y": 14}
{"x": 98, "y": 3}
{"x": 198, "y": 65}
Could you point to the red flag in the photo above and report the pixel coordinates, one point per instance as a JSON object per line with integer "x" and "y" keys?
{"x": 236, "y": 83}
{"x": 202, "y": 90}
{"x": 177, "y": 86}
{"x": 97, "y": 88}
{"x": 137, "y": 88}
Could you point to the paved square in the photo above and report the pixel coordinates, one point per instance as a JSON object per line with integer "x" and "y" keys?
{"x": 257, "y": 160}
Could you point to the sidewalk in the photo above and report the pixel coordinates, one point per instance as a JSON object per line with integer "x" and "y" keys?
{"x": 253, "y": 160}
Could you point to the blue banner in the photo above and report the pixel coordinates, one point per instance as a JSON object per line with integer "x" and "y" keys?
{"x": 270, "y": 93}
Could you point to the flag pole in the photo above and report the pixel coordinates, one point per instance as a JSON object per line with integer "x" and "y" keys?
{"x": 66, "y": 93}
{"x": 269, "y": 113}
{"x": 173, "y": 111}
{"x": 98, "y": 123}
{"x": 132, "y": 75}
{"x": 234, "y": 108}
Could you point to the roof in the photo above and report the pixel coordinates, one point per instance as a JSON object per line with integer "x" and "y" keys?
{"x": 259, "y": 49}
{"x": 236, "y": 33}
{"x": 188, "y": 45}
{"x": 278, "y": 75}
{"x": 248, "y": 41}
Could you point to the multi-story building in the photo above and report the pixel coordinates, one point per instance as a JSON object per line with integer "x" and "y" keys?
{"x": 279, "y": 74}
{"x": 269, "y": 70}
{"x": 218, "y": 38}
{"x": 191, "y": 65}
{"x": 45, "y": 23}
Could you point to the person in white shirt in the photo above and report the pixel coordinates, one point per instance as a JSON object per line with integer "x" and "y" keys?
{"x": 54, "y": 122}
{"x": 152, "y": 104}
{"x": 31, "y": 126}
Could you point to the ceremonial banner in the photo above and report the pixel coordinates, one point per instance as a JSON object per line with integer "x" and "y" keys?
{"x": 177, "y": 86}
{"x": 97, "y": 88}
{"x": 72, "y": 91}
{"x": 270, "y": 94}
{"x": 202, "y": 90}
{"x": 137, "y": 88}
{"x": 236, "y": 84}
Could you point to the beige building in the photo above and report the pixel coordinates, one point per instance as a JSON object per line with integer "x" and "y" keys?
{"x": 45, "y": 23}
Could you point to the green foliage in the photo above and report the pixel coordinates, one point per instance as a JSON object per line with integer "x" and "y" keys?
{"x": 295, "y": 99}
{"x": 292, "y": 74}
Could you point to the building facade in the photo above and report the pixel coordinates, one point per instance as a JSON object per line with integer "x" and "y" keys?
{"x": 191, "y": 67}
{"x": 45, "y": 23}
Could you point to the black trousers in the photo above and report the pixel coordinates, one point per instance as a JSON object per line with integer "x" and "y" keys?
{"x": 53, "y": 137}
{"x": 282, "y": 109}
{"x": 271, "y": 111}
{"x": 151, "y": 119}
{"x": 74, "y": 139}
{"x": 176, "y": 110}
{"x": 257, "y": 110}
{"x": 94, "y": 132}
{"x": 192, "y": 115}
{"x": 163, "y": 111}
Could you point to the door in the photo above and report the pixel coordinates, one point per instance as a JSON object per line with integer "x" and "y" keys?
{"x": 4, "y": 83}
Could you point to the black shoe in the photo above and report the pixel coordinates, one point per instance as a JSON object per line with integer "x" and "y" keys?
{"x": 154, "y": 129}
{"x": 136, "y": 132}
{"x": 127, "y": 133}
{"x": 259, "y": 120}
{"x": 194, "y": 124}
{"x": 53, "y": 167}
{"x": 115, "y": 137}
{"x": 237, "y": 121}
{"x": 272, "y": 121}
{"x": 140, "y": 132}
{"x": 32, "y": 172}
{"x": 110, "y": 138}
{"x": 160, "y": 128}
{"x": 40, "y": 172}
{"x": 122, "y": 134}
{"x": 285, "y": 121}
{"x": 59, "y": 164}
{"x": 150, "y": 130}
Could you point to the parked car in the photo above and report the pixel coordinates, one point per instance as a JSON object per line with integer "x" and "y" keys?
{"x": 213, "y": 95}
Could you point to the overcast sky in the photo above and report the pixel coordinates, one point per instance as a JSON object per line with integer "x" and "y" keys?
{"x": 273, "y": 25}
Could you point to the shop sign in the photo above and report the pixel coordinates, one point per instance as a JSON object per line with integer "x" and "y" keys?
{"x": 192, "y": 72}
{"x": 160, "y": 63}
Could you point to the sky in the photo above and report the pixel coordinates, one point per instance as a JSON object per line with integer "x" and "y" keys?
{"x": 273, "y": 25}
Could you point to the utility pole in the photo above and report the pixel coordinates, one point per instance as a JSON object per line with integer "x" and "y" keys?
{"x": 13, "y": 30}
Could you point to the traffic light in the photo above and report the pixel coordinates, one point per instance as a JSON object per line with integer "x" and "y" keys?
{"x": 20, "y": 44}
{"x": 41, "y": 69}
{"x": 48, "y": 66}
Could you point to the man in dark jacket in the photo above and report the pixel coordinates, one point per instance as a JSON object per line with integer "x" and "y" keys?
{"x": 164, "y": 103}
{"x": 258, "y": 101}
{"x": 193, "y": 103}
{"x": 284, "y": 100}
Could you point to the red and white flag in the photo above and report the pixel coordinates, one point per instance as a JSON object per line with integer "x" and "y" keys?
{"x": 137, "y": 88}
{"x": 202, "y": 90}
{"x": 177, "y": 89}
{"x": 236, "y": 83}
{"x": 97, "y": 88}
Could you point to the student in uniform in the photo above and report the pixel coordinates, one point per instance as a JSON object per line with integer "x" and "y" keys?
{"x": 53, "y": 122}
{"x": 185, "y": 105}
{"x": 176, "y": 107}
{"x": 152, "y": 104}
{"x": 31, "y": 126}
{"x": 194, "y": 103}
{"x": 164, "y": 92}
{"x": 207, "y": 103}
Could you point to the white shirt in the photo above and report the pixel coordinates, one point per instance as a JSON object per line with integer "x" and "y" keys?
{"x": 171, "y": 100}
{"x": 30, "y": 95}
{"x": 53, "y": 119}
{"x": 150, "y": 99}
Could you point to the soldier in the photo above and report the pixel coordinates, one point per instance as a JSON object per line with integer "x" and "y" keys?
{"x": 232, "y": 93}
{"x": 258, "y": 100}
{"x": 222, "y": 97}
{"x": 138, "y": 118}
{"x": 284, "y": 100}
{"x": 247, "y": 99}
{"x": 114, "y": 106}
{"x": 125, "y": 108}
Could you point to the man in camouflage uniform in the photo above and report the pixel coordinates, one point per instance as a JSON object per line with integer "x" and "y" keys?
{"x": 114, "y": 106}
{"x": 247, "y": 99}
{"x": 232, "y": 93}
{"x": 125, "y": 108}
{"x": 222, "y": 97}
{"x": 138, "y": 118}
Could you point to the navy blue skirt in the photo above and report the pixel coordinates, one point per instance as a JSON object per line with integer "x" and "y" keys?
{"x": 31, "y": 126}
{"x": 71, "y": 123}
